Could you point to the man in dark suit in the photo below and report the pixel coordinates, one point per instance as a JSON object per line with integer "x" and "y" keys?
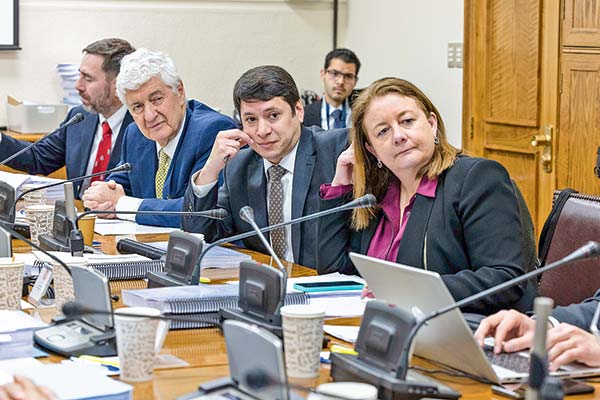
{"x": 568, "y": 338}
{"x": 278, "y": 174}
{"x": 339, "y": 75}
{"x": 105, "y": 120}
{"x": 171, "y": 139}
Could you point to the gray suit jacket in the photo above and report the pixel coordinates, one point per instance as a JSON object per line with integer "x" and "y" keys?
{"x": 579, "y": 314}
{"x": 245, "y": 183}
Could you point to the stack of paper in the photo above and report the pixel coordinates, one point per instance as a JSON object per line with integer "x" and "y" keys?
{"x": 216, "y": 257}
{"x": 16, "y": 334}
{"x": 18, "y": 180}
{"x": 121, "y": 227}
{"x": 69, "y": 73}
{"x": 75, "y": 381}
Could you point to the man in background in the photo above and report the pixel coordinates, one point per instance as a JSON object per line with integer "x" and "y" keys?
{"x": 94, "y": 144}
{"x": 339, "y": 75}
{"x": 170, "y": 140}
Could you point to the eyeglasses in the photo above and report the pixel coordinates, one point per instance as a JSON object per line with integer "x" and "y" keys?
{"x": 333, "y": 74}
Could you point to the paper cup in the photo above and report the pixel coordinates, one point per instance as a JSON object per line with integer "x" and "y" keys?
{"x": 139, "y": 339}
{"x": 86, "y": 225}
{"x": 346, "y": 390}
{"x": 11, "y": 283}
{"x": 34, "y": 198}
{"x": 302, "y": 339}
{"x": 63, "y": 282}
{"x": 40, "y": 219}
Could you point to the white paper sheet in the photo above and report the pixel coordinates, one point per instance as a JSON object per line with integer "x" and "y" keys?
{"x": 119, "y": 227}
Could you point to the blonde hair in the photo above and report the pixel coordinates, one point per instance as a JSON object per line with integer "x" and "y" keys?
{"x": 367, "y": 177}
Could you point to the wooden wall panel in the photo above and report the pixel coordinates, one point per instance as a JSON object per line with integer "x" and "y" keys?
{"x": 513, "y": 62}
{"x": 581, "y": 23}
{"x": 579, "y": 135}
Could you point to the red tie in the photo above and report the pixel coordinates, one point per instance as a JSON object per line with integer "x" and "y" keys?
{"x": 103, "y": 154}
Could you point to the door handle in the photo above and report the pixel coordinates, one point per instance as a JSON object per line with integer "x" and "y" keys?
{"x": 544, "y": 140}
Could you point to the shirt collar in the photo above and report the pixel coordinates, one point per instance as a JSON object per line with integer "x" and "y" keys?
{"x": 287, "y": 162}
{"x": 116, "y": 119}
{"x": 392, "y": 196}
{"x": 170, "y": 148}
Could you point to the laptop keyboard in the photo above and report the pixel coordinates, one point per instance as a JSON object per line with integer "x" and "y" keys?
{"x": 510, "y": 361}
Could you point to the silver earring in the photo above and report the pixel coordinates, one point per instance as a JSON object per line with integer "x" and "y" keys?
{"x": 436, "y": 140}
{"x": 379, "y": 164}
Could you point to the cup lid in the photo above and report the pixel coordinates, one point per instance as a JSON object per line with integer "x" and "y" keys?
{"x": 349, "y": 390}
{"x": 40, "y": 207}
{"x": 141, "y": 311}
{"x": 302, "y": 311}
{"x": 10, "y": 262}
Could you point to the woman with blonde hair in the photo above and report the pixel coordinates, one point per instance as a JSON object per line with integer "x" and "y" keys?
{"x": 438, "y": 209}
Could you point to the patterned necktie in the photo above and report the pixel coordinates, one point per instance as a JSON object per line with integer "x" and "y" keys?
{"x": 337, "y": 119}
{"x": 161, "y": 173}
{"x": 103, "y": 154}
{"x": 276, "y": 197}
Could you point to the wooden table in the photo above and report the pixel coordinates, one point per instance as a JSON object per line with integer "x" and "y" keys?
{"x": 204, "y": 349}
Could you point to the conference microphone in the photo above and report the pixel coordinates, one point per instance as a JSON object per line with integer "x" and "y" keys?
{"x": 259, "y": 379}
{"x": 368, "y": 200}
{"x": 77, "y": 118}
{"x": 588, "y": 250}
{"x": 74, "y": 310}
{"x": 121, "y": 168}
{"x": 76, "y": 237}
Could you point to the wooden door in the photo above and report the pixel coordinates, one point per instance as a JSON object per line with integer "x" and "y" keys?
{"x": 510, "y": 91}
{"x": 581, "y": 23}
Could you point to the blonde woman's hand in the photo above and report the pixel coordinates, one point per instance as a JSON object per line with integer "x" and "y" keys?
{"x": 344, "y": 168}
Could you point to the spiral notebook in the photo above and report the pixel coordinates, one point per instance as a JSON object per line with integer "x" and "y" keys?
{"x": 202, "y": 298}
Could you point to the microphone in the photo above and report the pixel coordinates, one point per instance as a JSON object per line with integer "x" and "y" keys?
{"x": 538, "y": 359}
{"x": 121, "y": 168}
{"x": 247, "y": 215}
{"x": 77, "y": 118}
{"x": 74, "y": 310}
{"x": 76, "y": 245}
{"x": 260, "y": 379}
{"x": 588, "y": 250}
{"x": 368, "y": 200}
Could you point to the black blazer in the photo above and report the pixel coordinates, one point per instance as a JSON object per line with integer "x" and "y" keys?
{"x": 70, "y": 147}
{"x": 470, "y": 233}
{"x": 312, "y": 114}
{"x": 579, "y": 314}
{"x": 245, "y": 183}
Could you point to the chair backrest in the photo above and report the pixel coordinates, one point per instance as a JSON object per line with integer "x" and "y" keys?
{"x": 578, "y": 222}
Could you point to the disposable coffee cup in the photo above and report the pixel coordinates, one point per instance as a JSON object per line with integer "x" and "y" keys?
{"x": 139, "y": 339}
{"x": 302, "y": 339}
{"x": 40, "y": 218}
{"x": 11, "y": 283}
{"x": 86, "y": 225}
{"x": 64, "y": 291}
{"x": 34, "y": 198}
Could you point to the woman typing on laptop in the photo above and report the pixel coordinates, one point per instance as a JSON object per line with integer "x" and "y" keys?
{"x": 438, "y": 209}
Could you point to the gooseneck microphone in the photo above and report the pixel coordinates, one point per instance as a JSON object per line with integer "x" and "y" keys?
{"x": 368, "y": 200}
{"x": 588, "y": 250}
{"x": 217, "y": 213}
{"x": 74, "y": 310}
{"x": 259, "y": 379}
{"x": 77, "y": 118}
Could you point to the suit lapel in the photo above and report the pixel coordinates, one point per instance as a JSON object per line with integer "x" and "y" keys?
{"x": 369, "y": 232}
{"x": 115, "y": 155}
{"x": 172, "y": 173}
{"x": 88, "y": 131}
{"x": 146, "y": 170}
{"x": 411, "y": 246}
{"x": 303, "y": 172}
{"x": 257, "y": 185}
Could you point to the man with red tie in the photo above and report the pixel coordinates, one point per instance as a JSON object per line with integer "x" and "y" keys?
{"x": 94, "y": 144}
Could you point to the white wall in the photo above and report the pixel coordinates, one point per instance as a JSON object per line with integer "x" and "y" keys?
{"x": 409, "y": 39}
{"x": 212, "y": 42}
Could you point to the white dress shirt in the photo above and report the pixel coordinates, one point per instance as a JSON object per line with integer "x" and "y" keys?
{"x": 114, "y": 121}
{"x": 327, "y": 120}
{"x": 128, "y": 203}
{"x": 288, "y": 162}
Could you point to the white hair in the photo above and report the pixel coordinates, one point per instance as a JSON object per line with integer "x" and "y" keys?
{"x": 142, "y": 65}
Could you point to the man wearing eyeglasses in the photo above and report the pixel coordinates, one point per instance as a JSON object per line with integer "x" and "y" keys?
{"x": 569, "y": 338}
{"x": 339, "y": 75}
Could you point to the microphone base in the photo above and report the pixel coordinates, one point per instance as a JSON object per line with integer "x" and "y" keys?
{"x": 348, "y": 368}
{"x": 239, "y": 315}
{"x": 159, "y": 279}
{"x": 51, "y": 243}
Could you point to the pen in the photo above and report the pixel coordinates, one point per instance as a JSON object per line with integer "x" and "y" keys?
{"x": 100, "y": 360}
{"x": 204, "y": 280}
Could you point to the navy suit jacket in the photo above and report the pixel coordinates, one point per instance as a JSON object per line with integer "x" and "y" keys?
{"x": 471, "y": 230}
{"x": 312, "y": 114}
{"x": 202, "y": 124}
{"x": 245, "y": 183}
{"x": 71, "y": 147}
{"x": 579, "y": 314}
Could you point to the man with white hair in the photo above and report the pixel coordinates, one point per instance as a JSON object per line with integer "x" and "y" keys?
{"x": 170, "y": 140}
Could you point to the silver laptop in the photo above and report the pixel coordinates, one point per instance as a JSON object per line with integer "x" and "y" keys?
{"x": 446, "y": 339}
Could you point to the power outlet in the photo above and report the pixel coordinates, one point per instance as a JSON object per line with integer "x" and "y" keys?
{"x": 455, "y": 55}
